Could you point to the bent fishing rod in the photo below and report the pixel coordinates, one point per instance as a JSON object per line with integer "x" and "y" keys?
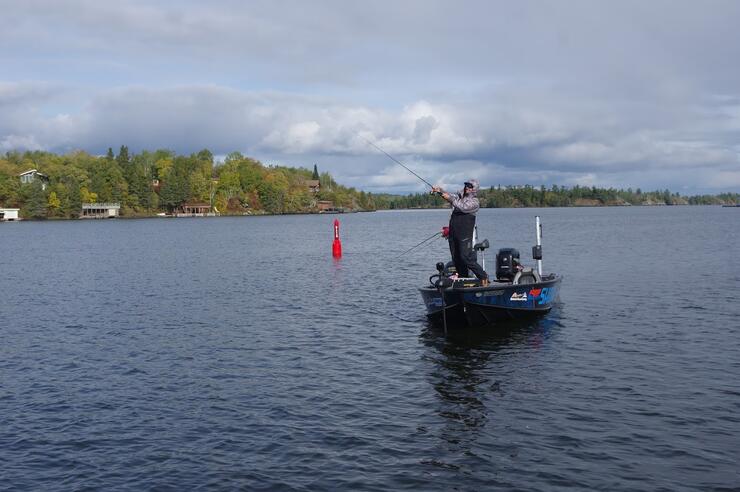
{"x": 425, "y": 182}
{"x": 398, "y": 162}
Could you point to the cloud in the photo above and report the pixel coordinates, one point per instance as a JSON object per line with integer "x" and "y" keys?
{"x": 629, "y": 93}
{"x": 448, "y": 141}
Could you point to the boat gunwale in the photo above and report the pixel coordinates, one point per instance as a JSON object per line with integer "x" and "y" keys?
{"x": 493, "y": 286}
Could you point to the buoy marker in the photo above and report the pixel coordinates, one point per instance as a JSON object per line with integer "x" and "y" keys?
{"x": 336, "y": 247}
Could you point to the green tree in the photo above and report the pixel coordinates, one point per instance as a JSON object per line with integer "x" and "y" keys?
{"x": 35, "y": 201}
{"x": 272, "y": 192}
{"x": 108, "y": 182}
{"x": 176, "y": 187}
{"x": 205, "y": 155}
{"x": 233, "y": 156}
{"x": 174, "y": 191}
{"x": 137, "y": 175}
{"x": 123, "y": 158}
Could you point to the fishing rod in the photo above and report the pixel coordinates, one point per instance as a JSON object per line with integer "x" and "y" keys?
{"x": 424, "y": 241}
{"x": 398, "y": 162}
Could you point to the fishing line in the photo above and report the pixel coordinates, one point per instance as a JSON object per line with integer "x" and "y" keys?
{"x": 416, "y": 246}
{"x": 397, "y": 161}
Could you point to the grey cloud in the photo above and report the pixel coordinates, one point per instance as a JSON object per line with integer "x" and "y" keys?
{"x": 631, "y": 48}
{"x": 423, "y": 129}
{"x": 446, "y": 140}
{"x": 16, "y": 94}
{"x": 561, "y": 93}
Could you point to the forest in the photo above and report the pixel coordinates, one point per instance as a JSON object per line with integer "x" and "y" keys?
{"x": 150, "y": 183}
{"x": 560, "y": 196}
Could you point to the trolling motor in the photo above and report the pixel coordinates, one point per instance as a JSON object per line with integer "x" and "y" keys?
{"x": 442, "y": 283}
{"x": 442, "y": 280}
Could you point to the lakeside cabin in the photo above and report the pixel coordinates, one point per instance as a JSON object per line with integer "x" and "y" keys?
{"x": 9, "y": 214}
{"x": 100, "y": 210}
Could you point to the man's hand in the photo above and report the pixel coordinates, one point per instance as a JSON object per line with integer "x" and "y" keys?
{"x": 438, "y": 190}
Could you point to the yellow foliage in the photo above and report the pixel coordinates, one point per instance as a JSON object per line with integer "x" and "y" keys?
{"x": 163, "y": 166}
{"x": 53, "y": 201}
{"x": 88, "y": 197}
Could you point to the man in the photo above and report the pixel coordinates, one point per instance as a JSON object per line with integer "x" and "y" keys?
{"x": 462, "y": 221}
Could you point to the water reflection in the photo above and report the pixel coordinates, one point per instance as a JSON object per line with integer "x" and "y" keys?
{"x": 469, "y": 370}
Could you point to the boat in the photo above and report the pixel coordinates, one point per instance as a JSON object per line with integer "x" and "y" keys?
{"x": 517, "y": 292}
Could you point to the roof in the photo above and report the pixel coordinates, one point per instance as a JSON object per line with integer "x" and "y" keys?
{"x": 87, "y": 206}
{"x": 313, "y": 182}
{"x": 33, "y": 171}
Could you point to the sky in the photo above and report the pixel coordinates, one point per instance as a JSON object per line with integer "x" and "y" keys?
{"x": 584, "y": 92}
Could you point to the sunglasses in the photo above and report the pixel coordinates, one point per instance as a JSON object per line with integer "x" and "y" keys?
{"x": 469, "y": 185}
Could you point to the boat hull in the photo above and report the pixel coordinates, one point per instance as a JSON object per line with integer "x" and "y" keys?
{"x": 499, "y": 301}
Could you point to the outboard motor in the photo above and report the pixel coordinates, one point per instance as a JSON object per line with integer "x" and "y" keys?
{"x": 507, "y": 262}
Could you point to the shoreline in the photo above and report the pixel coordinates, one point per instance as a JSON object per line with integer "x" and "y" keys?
{"x": 411, "y": 209}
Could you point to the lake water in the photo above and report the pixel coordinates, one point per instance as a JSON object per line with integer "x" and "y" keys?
{"x": 225, "y": 353}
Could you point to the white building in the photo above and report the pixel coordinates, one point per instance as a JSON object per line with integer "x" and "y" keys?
{"x": 100, "y": 210}
{"x": 9, "y": 214}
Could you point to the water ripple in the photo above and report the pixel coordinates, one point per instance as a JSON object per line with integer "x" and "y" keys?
{"x": 271, "y": 368}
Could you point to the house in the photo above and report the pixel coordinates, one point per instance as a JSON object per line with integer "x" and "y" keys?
{"x": 100, "y": 210}
{"x": 30, "y": 176}
{"x": 9, "y": 214}
{"x": 313, "y": 185}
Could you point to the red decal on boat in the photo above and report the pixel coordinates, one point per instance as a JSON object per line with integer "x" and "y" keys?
{"x": 535, "y": 292}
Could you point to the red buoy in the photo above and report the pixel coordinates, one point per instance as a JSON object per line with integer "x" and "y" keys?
{"x": 336, "y": 247}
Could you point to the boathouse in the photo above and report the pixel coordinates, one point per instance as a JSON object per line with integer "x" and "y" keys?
{"x": 9, "y": 214}
{"x": 327, "y": 207}
{"x": 194, "y": 210}
{"x": 100, "y": 210}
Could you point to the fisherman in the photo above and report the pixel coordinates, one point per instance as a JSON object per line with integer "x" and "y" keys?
{"x": 462, "y": 222}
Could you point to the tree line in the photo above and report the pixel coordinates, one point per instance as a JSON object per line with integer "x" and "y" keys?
{"x": 561, "y": 196}
{"x": 162, "y": 181}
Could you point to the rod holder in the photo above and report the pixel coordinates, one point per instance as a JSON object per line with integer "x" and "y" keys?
{"x": 537, "y": 249}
